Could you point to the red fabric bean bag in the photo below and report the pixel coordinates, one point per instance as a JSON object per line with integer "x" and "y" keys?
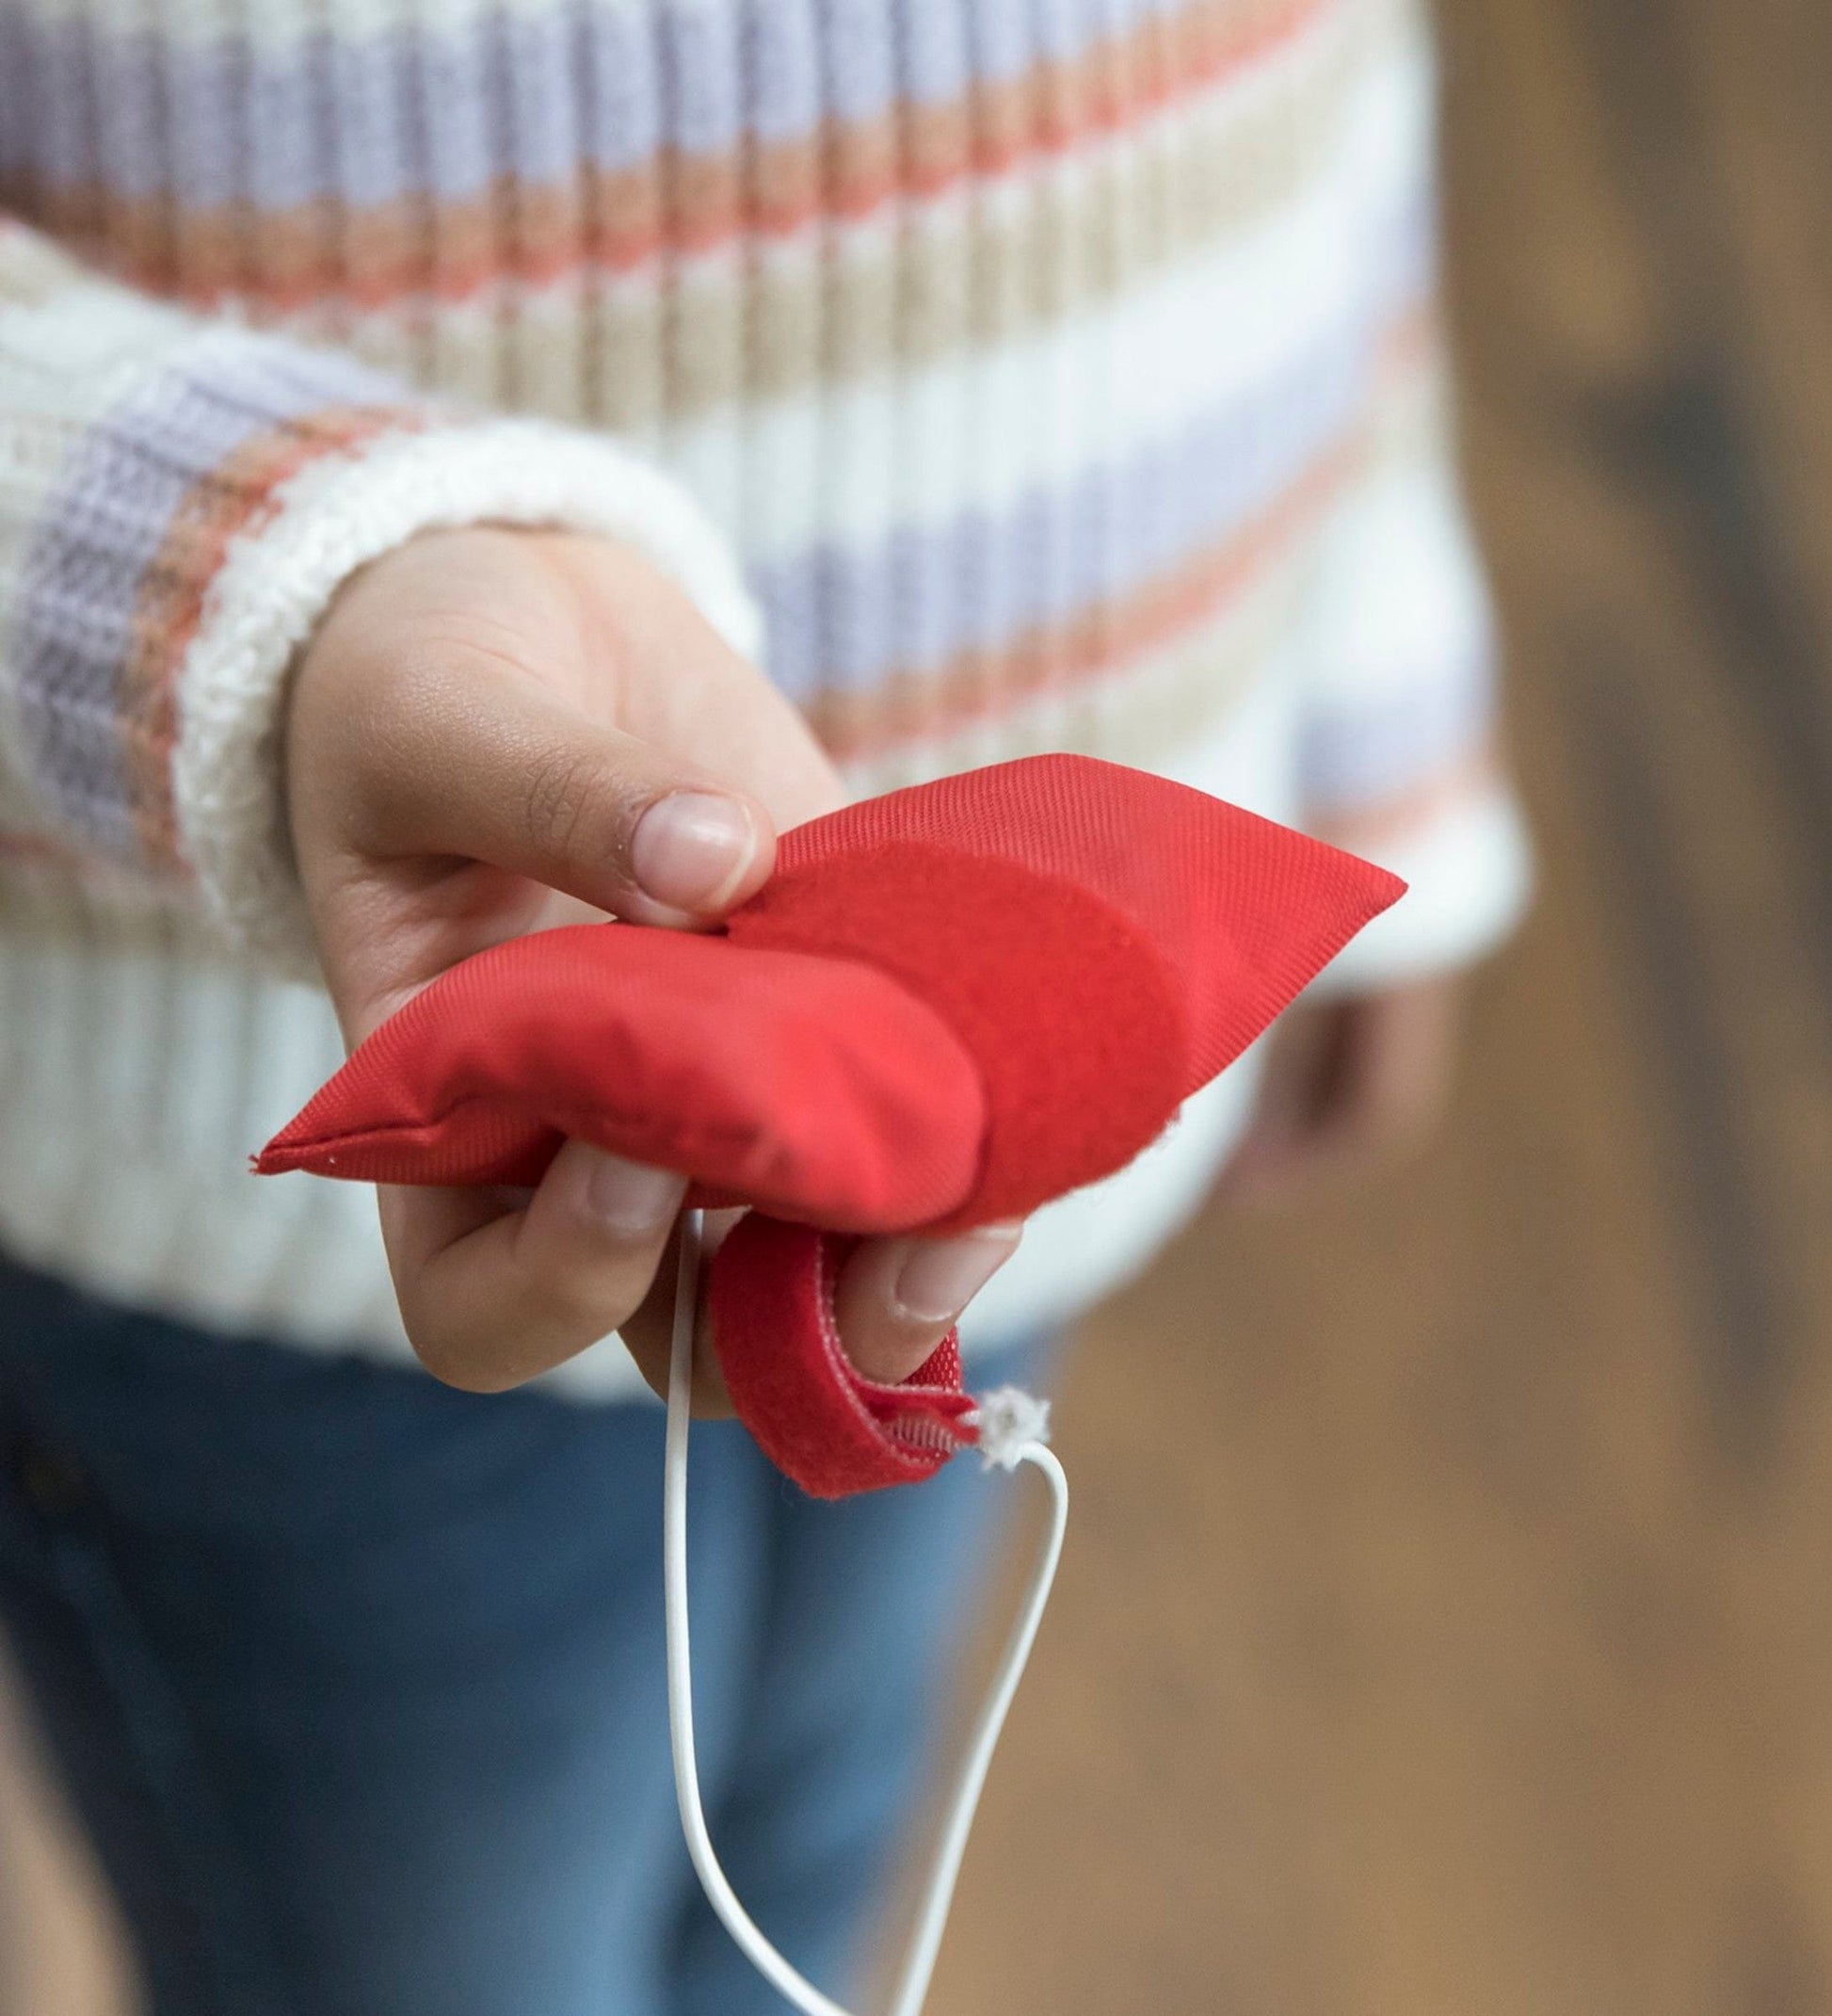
{"x": 947, "y": 1007}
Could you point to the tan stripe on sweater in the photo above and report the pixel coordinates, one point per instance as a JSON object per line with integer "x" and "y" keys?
{"x": 842, "y": 308}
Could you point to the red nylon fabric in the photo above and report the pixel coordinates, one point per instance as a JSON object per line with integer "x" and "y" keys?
{"x": 949, "y": 1004}
{"x": 1246, "y": 911}
{"x": 815, "y": 1087}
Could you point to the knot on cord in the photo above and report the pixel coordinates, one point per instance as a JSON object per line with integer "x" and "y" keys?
{"x": 1009, "y": 1421}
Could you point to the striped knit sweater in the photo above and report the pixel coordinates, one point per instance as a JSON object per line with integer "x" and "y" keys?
{"x": 1011, "y": 373}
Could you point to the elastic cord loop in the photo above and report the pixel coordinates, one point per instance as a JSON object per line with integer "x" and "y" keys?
{"x": 925, "y": 1941}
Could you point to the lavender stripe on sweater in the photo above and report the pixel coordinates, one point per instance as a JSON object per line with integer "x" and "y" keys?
{"x": 849, "y": 618}
{"x": 207, "y": 119}
{"x": 103, "y": 529}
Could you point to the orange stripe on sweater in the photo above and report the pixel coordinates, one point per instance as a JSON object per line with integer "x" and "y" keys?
{"x": 980, "y": 685}
{"x": 235, "y": 497}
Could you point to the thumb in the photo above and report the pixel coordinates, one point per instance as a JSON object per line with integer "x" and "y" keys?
{"x": 503, "y": 772}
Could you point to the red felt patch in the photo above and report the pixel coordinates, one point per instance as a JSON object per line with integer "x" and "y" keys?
{"x": 1078, "y": 1081}
{"x": 949, "y": 1005}
{"x": 1245, "y": 911}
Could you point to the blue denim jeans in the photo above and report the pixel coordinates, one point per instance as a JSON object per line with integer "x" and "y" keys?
{"x": 357, "y": 1684}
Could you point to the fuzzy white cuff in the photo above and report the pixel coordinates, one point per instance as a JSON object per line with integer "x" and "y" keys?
{"x": 333, "y": 518}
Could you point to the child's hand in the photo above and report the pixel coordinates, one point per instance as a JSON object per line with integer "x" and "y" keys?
{"x": 493, "y": 732}
{"x": 1348, "y": 1084}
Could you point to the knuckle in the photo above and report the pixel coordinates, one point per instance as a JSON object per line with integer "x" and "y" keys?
{"x": 554, "y": 799}
{"x": 462, "y": 1336}
{"x": 586, "y": 1282}
{"x": 458, "y": 1362}
{"x": 572, "y": 807}
{"x": 591, "y": 1302}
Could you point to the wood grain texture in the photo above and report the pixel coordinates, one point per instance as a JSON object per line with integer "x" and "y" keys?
{"x": 1444, "y": 1627}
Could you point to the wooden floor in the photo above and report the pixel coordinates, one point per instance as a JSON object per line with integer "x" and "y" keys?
{"x": 1448, "y": 1623}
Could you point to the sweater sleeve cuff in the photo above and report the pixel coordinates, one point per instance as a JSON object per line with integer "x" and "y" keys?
{"x": 179, "y": 499}
{"x": 333, "y": 517}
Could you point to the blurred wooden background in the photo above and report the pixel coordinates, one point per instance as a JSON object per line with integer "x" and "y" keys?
{"x": 1447, "y": 1623}
{"x": 1447, "y": 1627}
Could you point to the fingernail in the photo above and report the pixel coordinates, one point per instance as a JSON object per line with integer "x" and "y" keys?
{"x": 943, "y": 1276}
{"x": 692, "y": 848}
{"x": 629, "y": 1198}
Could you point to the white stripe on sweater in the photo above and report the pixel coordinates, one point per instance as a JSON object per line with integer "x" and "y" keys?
{"x": 845, "y": 467}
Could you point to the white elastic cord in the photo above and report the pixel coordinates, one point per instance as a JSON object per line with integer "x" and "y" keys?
{"x": 925, "y": 1941}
